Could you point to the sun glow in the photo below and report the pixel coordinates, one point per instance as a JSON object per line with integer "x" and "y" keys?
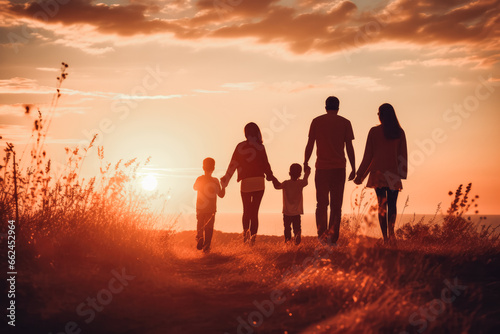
{"x": 149, "y": 182}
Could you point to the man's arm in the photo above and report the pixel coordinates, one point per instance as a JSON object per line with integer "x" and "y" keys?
{"x": 364, "y": 167}
{"x": 308, "y": 152}
{"x": 307, "y": 172}
{"x": 352, "y": 160}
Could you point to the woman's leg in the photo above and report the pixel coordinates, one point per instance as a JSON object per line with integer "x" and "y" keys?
{"x": 382, "y": 210}
{"x": 392, "y": 211}
{"x": 247, "y": 204}
{"x": 254, "y": 211}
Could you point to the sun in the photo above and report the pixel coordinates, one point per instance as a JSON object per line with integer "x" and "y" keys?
{"x": 149, "y": 182}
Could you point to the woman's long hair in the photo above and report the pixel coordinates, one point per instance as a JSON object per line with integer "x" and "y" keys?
{"x": 390, "y": 123}
{"x": 252, "y": 132}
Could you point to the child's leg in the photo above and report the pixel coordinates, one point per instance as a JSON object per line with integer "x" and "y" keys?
{"x": 288, "y": 231}
{"x": 209, "y": 230}
{"x": 297, "y": 231}
{"x": 200, "y": 217}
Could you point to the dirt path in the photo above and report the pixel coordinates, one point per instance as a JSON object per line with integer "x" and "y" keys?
{"x": 269, "y": 288}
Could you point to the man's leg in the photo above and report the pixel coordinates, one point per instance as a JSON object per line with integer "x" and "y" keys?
{"x": 321, "y": 180}
{"x": 336, "y": 198}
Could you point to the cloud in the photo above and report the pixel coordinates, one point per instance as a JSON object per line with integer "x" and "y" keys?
{"x": 473, "y": 61}
{"x": 241, "y": 85}
{"x": 16, "y": 109}
{"x": 22, "y": 134}
{"x": 329, "y": 83}
{"x": 18, "y": 85}
{"x": 144, "y": 97}
{"x": 300, "y": 32}
{"x": 48, "y": 69}
{"x": 323, "y": 27}
{"x": 450, "y": 82}
{"x": 206, "y": 91}
{"x": 126, "y": 20}
{"x": 296, "y": 86}
{"x": 117, "y": 96}
{"x": 357, "y": 82}
{"x": 14, "y": 133}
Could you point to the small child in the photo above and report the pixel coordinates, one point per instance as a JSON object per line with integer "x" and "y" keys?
{"x": 293, "y": 201}
{"x": 208, "y": 188}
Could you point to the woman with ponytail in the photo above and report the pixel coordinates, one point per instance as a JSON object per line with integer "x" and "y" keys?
{"x": 250, "y": 161}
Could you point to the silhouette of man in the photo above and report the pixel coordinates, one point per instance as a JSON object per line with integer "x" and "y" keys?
{"x": 331, "y": 133}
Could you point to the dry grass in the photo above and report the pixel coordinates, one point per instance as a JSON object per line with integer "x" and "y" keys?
{"x": 73, "y": 233}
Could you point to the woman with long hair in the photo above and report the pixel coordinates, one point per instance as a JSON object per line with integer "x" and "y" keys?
{"x": 250, "y": 160}
{"x": 385, "y": 159}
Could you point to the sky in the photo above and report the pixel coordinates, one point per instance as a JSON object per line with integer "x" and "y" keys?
{"x": 178, "y": 80}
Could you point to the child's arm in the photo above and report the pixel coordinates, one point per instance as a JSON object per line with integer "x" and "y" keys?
{"x": 277, "y": 184}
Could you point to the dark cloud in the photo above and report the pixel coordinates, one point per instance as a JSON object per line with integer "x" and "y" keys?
{"x": 311, "y": 26}
{"x": 301, "y": 32}
{"x": 123, "y": 20}
{"x": 244, "y": 8}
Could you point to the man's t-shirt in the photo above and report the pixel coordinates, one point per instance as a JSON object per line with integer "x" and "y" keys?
{"x": 330, "y": 131}
{"x": 208, "y": 188}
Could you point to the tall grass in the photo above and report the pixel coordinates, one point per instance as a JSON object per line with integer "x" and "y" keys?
{"x": 63, "y": 215}
{"x": 456, "y": 229}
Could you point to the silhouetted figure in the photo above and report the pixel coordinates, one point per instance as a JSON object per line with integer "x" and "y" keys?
{"x": 293, "y": 201}
{"x": 331, "y": 133}
{"x": 208, "y": 189}
{"x": 385, "y": 159}
{"x": 250, "y": 160}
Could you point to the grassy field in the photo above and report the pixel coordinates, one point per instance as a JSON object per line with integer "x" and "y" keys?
{"x": 88, "y": 260}
{"x": 165, "y": 285}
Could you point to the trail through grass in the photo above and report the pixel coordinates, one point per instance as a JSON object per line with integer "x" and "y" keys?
{"x": 361, "y": 286}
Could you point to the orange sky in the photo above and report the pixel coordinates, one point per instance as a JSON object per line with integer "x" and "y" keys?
{"x": 177, "y": 80}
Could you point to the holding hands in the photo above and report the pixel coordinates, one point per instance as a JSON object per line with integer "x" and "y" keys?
{"x": 358, "y": 180}
{"x": 307, "y": 169}
{"x": 276, "y": 183}
{"x": 352, "y": 176}
{"x": 224, "y": 181}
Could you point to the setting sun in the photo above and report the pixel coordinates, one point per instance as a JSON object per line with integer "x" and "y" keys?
{"x": 149, "y": 182}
